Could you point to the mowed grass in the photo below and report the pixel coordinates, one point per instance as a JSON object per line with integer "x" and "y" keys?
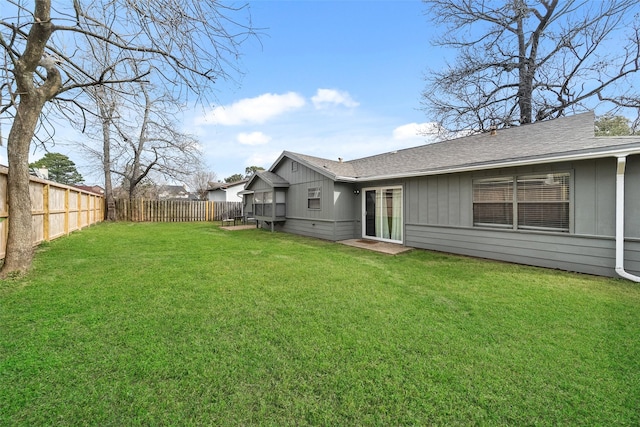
{"x": 187, "y": 324}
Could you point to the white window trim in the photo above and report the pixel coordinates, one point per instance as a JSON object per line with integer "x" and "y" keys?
{"x": 317, "y": 190}
{"x": 364, "y": 213}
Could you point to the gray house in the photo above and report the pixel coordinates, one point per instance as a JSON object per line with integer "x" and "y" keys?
{"x": 550, "y": 194}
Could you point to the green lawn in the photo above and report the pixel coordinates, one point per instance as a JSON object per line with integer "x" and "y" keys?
{"x": 186, "y": 324}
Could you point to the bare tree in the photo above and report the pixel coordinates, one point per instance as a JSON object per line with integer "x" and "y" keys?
{"x": 201, "y": 181}
{"x": 150, "y": 146}
{"x": 520, "y": 61}
{"x": 188, "y": 44}
{"x": 105, "y": 111}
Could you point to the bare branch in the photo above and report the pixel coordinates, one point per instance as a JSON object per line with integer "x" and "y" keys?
{"x": 525, "y": 60}
{"x": 61, "y": 59}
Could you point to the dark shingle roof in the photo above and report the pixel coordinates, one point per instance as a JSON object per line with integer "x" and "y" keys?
{"x": 539, "y": 141}
{"x": 274, "y": 180}
{"x": 224, "y": 185}
{"x": 324, "y": 166}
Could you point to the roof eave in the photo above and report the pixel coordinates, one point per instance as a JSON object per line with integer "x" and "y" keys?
{"x": 293, "y": 156}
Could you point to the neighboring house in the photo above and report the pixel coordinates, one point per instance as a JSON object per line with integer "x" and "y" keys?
{"x": 42, "y": 173}
{"x": 549, "y": 194}
{"x": 92, "y": 188}
{"x": 174, "y": 192}
{"x": 226, "y": 191}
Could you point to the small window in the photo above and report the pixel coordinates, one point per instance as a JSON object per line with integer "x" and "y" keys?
{"x": 313, "y": 199}
{"x": 258, "y": 199}
{"x": 294, "y": 166}
{"x": 263, "y": 203}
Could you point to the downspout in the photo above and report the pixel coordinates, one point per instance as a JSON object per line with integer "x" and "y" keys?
{"x": 622, "y": 162}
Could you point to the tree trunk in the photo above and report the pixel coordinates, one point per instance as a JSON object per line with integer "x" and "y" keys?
{"x": 525, "y": 94}
{"x": 525, "y": 76}
{"x": 106, "y": 113}
{"x": 110, "y": 205}
{"x": 19, "y": 252}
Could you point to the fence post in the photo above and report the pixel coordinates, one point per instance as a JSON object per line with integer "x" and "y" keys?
{"x": 66, "y": 211}
{"x": 45, "y": 214}
{"x": 79, "y": 210}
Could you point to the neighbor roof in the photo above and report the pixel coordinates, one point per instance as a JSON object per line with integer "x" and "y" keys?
{"x": 567, "y": 138}
{"x": 225, "y": 185}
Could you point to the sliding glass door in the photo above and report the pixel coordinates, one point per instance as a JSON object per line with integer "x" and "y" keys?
{"x": 382, "y": 212}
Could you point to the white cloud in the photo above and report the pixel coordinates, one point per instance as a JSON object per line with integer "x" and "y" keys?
{"x": 325, "y": 98}
{"x": 253, "y": 138}
{"x": 263, "y": 159}
{"x": 253, "y": 110}
{"x": 416, "y": 130}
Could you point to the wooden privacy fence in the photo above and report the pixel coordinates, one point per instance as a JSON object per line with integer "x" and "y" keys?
{"x": 56, "y": 209}
{"x": 175, "y": 210}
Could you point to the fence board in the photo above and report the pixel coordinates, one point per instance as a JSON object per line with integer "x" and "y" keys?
{"x": 56, "y": 209}
{"x": 140, "y": 210}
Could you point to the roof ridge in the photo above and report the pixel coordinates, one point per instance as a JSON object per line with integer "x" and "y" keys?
{"x": 540, "y": 140}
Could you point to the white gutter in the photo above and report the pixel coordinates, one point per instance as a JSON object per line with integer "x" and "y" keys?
{"x": 622, "y": 162}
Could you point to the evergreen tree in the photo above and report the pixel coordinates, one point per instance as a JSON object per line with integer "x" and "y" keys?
{"x": 234, "y": 178}
{"x": 61, "y": 168}
{"x": 609, "y": 125}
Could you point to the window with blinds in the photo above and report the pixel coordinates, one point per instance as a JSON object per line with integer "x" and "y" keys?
{"x": 543, "y": 201}
{"x": 493, "y": 202}
{"x": 535, "y": 202}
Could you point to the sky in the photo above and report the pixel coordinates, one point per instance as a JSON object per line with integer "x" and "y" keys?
{"x": 333, "y": 79}
{"x": 327, "y": 78}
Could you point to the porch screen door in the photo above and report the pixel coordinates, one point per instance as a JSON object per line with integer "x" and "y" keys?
{"x": 383, "y": 213}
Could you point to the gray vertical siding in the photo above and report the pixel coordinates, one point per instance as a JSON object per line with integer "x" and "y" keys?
{"x": 439, "y": 216}
{"x": 439, "y": 200}
{"x": 440, "y": 208}
{"x": 259, "y": 184}
{"x": 582, "y": 254}
{"x": 346, "y": 204}
{"x": 595, "y": 197}
{"x": 632, "y": 198}
{"x": 447, "y": 199}
{"x": 299, "y": 183}
{"x": 337, "y": 217}
{"x": 247, "y": 204}
{"x": 321, "y": 229}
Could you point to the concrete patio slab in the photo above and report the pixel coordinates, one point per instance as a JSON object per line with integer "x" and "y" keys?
{"x": 238, "y": 227}
{"x": 377, "y": 246}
